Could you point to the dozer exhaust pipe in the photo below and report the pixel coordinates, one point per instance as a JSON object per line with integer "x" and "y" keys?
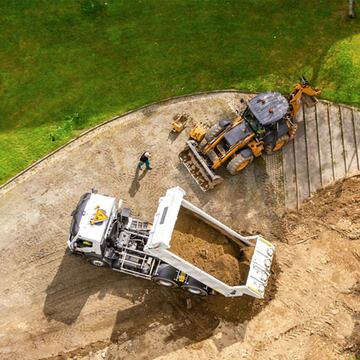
{"x": 198, "y": 167}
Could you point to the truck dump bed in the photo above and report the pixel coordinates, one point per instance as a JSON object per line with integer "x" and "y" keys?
{"x": 159, "y": 245}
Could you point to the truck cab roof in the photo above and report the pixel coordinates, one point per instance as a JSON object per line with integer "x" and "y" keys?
{"x": 268, "y": 107}
{"x": 88, "y": 205}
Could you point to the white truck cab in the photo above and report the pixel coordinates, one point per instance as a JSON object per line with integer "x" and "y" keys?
{"x": 84, "y": 234}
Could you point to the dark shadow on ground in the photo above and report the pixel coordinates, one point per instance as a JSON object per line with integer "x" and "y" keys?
{"x": 165, "y": 322}
{"x": 203, "y": 197}
{"x": 164, "y": 319}
{"x": 135, "y": 185}
{"x": 174, "y": 135}
{"x": 76, "y": 280}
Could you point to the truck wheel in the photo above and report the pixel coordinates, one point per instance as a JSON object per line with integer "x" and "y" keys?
{"x": 239, "y": 163}
{"x": 196, "y": 291}
{"x": 165, "y": 276}
{"x": 213, "y": 132}
{"x": 280, "y": 143}
{"x": 195, "y": 287}
{"x": 165, "y": 282}
{"x": 96, "y": 262}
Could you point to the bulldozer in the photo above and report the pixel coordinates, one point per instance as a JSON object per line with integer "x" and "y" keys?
{"x": 265, "y": 126}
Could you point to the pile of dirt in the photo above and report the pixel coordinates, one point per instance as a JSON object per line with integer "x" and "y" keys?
{"x": 210, "y": 250}
{"x": 329, "y": 223}
{"x": 336, "y": 208}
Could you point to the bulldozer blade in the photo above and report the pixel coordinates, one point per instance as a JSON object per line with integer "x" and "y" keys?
{"x": 309, "y": 101}
{"x": 198, "y": 167}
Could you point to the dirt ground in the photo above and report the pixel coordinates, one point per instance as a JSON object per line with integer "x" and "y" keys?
{"x": 200, "y": 244}
{"x": 55, "y": 306}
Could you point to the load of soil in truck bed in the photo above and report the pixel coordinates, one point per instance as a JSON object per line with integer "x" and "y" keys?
{"x": 210, "y": 250}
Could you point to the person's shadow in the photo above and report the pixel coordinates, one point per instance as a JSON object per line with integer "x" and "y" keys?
{"x": 135, "y": 185}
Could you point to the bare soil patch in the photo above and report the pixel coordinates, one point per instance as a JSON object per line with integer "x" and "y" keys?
{"x": 210, "y": 250}
{"x": 336, "y": 208}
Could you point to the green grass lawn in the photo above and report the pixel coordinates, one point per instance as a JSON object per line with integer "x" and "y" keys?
{"x": 67, "y": 65}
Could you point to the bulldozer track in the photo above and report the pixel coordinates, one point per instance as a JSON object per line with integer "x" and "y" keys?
{"x": 326, "y": 148}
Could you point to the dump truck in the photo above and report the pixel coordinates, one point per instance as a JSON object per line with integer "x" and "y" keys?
{"x": 106, "y": 234}
{"x": 266, "y": 125}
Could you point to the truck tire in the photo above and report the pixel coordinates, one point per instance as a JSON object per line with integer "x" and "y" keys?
{"x": 195, "y": 287}
{"x": 165, "y": 276}
{"x": 239, "y": 163}
{"x": 280, "y": 143}
{"x": 96, "y": 262}
{"x": 213, "y": 132}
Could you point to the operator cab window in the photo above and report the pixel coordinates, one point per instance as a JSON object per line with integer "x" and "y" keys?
{"x": 253, "y": 123}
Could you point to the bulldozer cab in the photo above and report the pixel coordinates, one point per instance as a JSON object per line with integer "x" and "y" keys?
{"x": 265, "y": 114}
{"x": 254, "y": 123}
{"x": 268, "y": 108}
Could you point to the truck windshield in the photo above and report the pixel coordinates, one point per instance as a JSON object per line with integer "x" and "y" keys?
{"x": 253, "y": 122}
{"x": 77, "y": 214}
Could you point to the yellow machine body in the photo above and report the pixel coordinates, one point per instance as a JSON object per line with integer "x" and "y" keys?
{"x": 198, "y": 132}
{"x": 179, "y": 122}
{"x": 207, "y": 152}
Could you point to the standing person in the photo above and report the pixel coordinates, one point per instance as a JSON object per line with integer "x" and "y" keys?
{"x": 145, "y": 159}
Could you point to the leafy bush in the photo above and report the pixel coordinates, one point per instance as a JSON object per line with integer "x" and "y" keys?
{"x": 70, "y": 123}
{"x": 75, "y": 120}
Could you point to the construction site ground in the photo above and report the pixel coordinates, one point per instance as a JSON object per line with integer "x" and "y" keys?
{"x": 55, "y": 306}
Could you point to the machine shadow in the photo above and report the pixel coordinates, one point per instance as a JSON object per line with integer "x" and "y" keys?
{"x": 170, "y": 319}
{"x": 173, "y": 136}
{"x": 165, "y": 319}
{"x": 75, "y": 281}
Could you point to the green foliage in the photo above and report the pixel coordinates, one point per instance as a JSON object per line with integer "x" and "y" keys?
{"x": 75, "y": 120}
{"x": 84, "y": 57}
{"x": 66, "y": 127}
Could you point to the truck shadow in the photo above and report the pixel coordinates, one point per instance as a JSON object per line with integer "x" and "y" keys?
{"x": 171, "y": 319}
{"x": 158, "y": 320}
{"x": 75, "y": 281}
